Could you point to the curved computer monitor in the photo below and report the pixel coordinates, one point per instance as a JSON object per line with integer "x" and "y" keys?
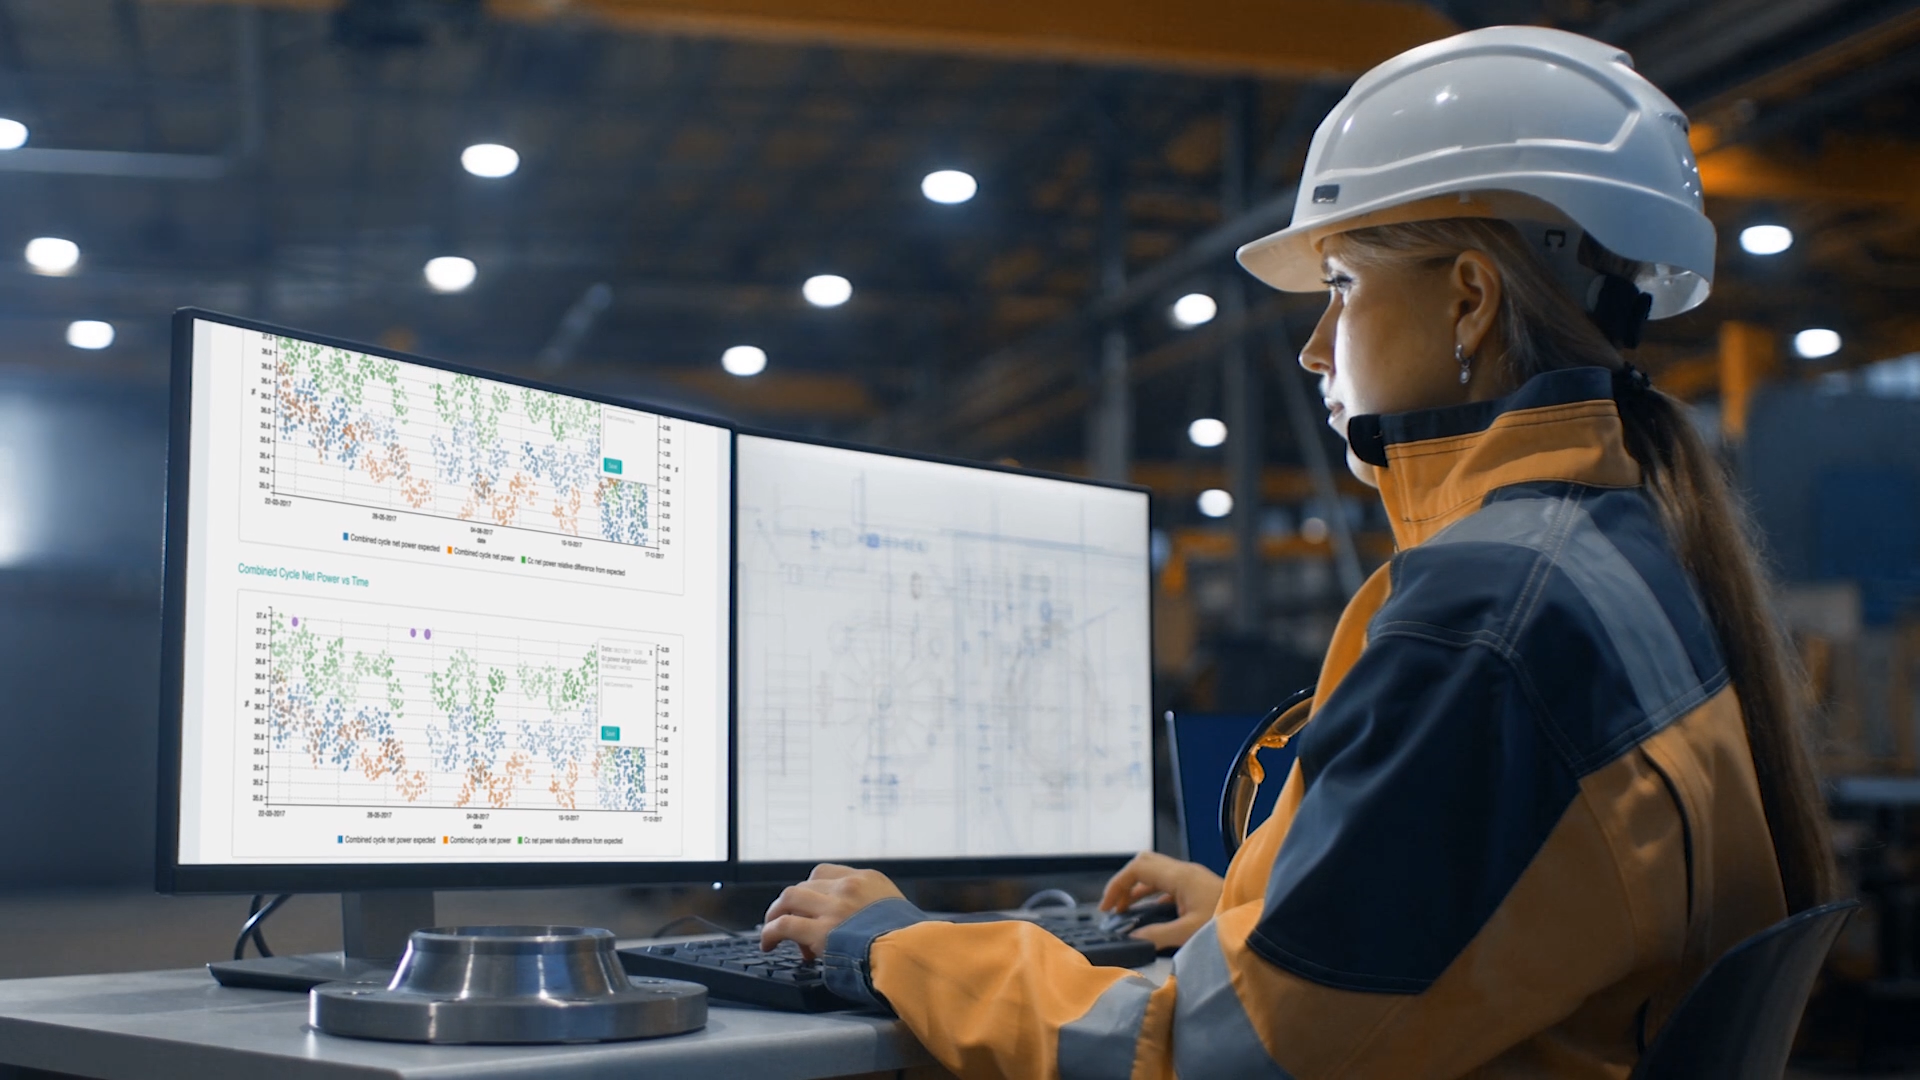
{"x": 432, "y": 628}
{"x": 941, "y": 669}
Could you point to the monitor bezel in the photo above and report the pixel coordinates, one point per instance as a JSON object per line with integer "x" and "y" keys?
{"x": 173, "y": 876}
{"x": 746, "y": 871}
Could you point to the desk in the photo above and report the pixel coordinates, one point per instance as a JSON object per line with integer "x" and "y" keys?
{"x": 181, "y": 1025}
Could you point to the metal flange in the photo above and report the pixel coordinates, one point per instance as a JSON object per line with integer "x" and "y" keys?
{"x": 509, "y": 984}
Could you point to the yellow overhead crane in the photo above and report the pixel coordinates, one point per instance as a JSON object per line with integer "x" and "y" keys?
{"x": 1290, "y": 38}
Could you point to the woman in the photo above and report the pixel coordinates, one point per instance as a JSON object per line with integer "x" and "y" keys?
{"x": 1552, "y": 771}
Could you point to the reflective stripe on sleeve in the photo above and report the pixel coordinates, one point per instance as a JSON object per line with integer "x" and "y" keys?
{"x": 1100, "y": 1045}
{"x": 1211, "y": 1033}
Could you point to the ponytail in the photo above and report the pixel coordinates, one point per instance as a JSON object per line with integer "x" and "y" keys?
{"x": 1541, "y": 329}
{"x": 1709, "y": 532}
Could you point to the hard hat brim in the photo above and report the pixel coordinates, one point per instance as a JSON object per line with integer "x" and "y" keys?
{"x": 1290, "y": 260}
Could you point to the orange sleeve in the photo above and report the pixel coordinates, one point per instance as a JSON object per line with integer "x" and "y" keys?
{"x": 1008, "y": 999}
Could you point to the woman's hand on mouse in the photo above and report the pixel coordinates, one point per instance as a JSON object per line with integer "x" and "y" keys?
{"x": 1194, "y": 888}
{"x": 806, "y": 913}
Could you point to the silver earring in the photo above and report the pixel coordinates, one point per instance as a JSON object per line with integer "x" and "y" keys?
{"x": 1465, "y": 361}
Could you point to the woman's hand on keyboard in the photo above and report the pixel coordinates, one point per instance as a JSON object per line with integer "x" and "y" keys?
{"x": 806, "y": 913}
{"x": 1194, "y": 888}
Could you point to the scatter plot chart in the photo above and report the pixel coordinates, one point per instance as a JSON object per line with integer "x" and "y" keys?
{"x": 368, "y": 705}
{"x": 372, "y": 432}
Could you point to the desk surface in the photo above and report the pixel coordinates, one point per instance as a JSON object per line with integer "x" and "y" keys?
{"x": 180, "y": 1024}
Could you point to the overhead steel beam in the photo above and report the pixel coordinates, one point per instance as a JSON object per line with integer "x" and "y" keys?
{"x": 122, "y": 163}
{"x": 1866, "y": 46}
{"x": 1846, "y": 169}
{"x": 1012, "y": 375}
{"x": 996, "y": 395}
{"x": 1326, "y": 484}
{"x": 1009, "y": 380}
{"x": 575, "y": 325}
{"x": 1289, "y": 38}
{"x": 1285, "y": 38}
{"x": 1039, "y": 410}
{"x": 248, "y": 88}
{"x": 1240, "y": 382}
{"x": 1706, "y": 37}
{"x": 1110, "y": 422}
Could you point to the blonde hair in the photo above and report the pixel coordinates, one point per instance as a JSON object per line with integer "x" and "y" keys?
{"x": 1540, "y": 328}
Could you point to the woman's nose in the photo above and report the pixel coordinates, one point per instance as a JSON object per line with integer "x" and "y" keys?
{"x": 1317, "y": 354}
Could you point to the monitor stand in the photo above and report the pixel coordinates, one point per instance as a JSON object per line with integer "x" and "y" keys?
{"x": 374, "y": 927}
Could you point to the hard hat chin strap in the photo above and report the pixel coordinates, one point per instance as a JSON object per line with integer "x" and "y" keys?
{"x": 1586, "y": 270}
{"x": 1620, "y": 311}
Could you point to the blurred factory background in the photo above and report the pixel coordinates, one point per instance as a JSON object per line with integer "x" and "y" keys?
{"x": 995, "y": 230}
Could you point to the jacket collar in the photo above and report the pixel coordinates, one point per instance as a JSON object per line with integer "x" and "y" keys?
{"x": 1436, "y": 466}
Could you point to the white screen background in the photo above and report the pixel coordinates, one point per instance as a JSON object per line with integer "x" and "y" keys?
{"x": 438, "y": 618}
{"x": 937, "y": 661}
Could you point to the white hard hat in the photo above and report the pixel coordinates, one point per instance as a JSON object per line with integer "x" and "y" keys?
{"x": 1511, "y": 122}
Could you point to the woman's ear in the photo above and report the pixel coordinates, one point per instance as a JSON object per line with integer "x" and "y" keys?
{"x": 1478, "y": 290}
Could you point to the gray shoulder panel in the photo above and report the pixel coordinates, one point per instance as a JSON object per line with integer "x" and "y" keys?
{"x": 1664, "y": 682}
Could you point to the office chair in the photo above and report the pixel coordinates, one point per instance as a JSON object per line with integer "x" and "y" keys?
{"x": 1739, "y": 1020}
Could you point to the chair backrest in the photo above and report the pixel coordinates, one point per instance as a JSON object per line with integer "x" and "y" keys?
{"x": 1204, "y": 746}
{"x": 1739, "y": 1020}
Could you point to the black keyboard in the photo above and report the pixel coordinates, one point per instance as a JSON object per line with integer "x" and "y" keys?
{"x": 735, "y": 969}
{"x": 1102, "y": 948}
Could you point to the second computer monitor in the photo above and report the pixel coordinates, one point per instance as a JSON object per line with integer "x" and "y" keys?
{"x": 939, "y": 667}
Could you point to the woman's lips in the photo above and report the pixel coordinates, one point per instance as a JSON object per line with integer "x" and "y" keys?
{"x": 1335, "y": 411}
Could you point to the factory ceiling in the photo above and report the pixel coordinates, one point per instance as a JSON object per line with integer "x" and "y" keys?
{"x": 685, "y": 166}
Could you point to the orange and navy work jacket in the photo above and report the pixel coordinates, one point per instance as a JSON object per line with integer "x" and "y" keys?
{"x": 1522, "y": 822}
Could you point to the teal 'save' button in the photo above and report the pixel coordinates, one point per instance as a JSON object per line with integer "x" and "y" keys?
{"x": 609, "y": 734}
{"x": 611, "y": 465}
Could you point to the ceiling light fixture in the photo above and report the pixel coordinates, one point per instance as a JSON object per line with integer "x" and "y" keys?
{"x": 1194, "y": 309}
{"x": 827, "y": 290}
{"x": 1765, "y": 239}
{"x": 1216, "y": 503}
{"x": 52, "y": 256}
{"x": 451, "y": 273}
{"x": 949, "y": 186}
{"x": 745, "y": 361}
{"x": 89, "y": 334}
{"x": 490, "y": 160}
{"x": 1815, "y": 343}
{"x": 1207, "y": 432}
{"x": 13, "y": 134}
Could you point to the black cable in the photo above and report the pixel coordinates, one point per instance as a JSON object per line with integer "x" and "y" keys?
{"x": 256, "y": 915}
{"x": 1060, "y": 898}
{"x": 701, "y": 919}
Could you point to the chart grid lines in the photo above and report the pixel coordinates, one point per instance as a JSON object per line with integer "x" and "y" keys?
{"x": 363, "y": 711}
{"x": 365, "y": 431}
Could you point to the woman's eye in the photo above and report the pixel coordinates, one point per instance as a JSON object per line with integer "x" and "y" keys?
{"x": 1338, "y": 283}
